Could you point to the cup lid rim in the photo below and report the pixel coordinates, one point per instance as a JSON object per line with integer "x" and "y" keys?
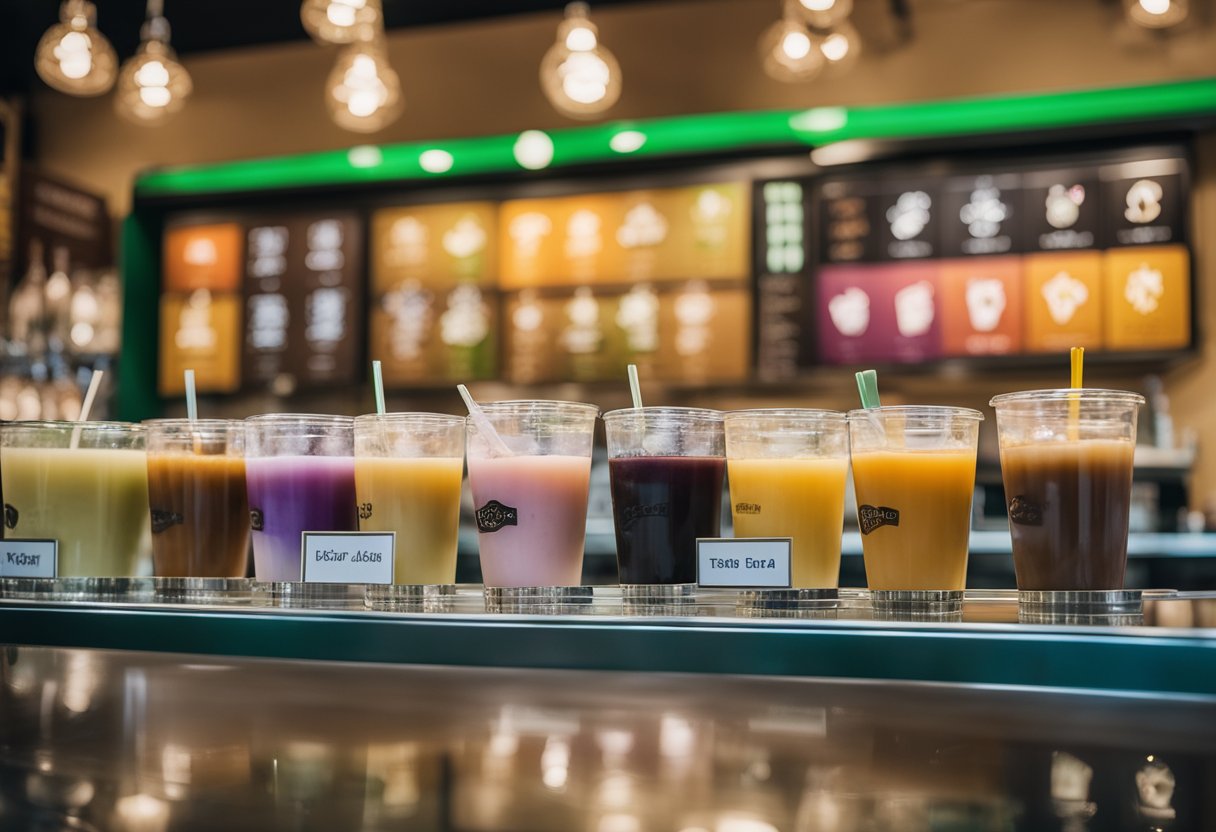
{"x": 63, "y": 424}
{"x": 410, "y": 416}
{"x": 816, "y": 412}
{"x": 184, "y": 422}
{"x": 315, "y": 418}
{"x": 1069, "y": 394}
{"x": 536, "y": 404}
{"x": 863, "y": 414}
{"x": 705, "y": 413}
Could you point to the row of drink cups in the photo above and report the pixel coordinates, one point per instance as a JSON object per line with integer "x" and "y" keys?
{"x": 1066, "y": 461}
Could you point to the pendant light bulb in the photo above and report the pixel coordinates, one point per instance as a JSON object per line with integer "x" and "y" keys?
{"x": 73, "y": 56}
{"x": 578, "y": 75}
{"x": 363, "y": 92}
{"x": 340, "y": 21}
{"x": 789, "y": 51}
{"x": 1157, "y": 14}
{"x": 841, "y": 46}
{"x": 822, "y": 14}
{"x": 152, "y": 84}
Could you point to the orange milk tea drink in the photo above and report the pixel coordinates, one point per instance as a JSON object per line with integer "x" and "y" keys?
{"x": 530, "y": 482}
{"x": 914, "y": 473}
{"x": 787, "y": 472}
{"x": 408, "y": 471}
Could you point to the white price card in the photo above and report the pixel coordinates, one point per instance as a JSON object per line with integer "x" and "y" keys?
{"x": 347, "y": 557}
{"x": 744, "y": 563}
{"x": 21, "y": 558}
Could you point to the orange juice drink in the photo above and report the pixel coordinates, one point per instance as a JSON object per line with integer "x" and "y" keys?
{"x": 914, "y": 472}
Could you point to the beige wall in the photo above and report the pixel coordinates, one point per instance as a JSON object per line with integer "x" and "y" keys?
{"x": 683, "y": 57}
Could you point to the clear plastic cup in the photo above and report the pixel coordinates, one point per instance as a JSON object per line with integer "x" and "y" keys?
{"x": 1066, "y": 462}
{"x": 530, "y": 503}
{"x": 788, "y": 469}
{"x": 196, "y": 490}
{"x": 914, "y": 473}
{"x": 92, "y": 498}
{"x": 300, "y": 469}
{"x": 665, "y": 466}
{"x": 408, "y": 472}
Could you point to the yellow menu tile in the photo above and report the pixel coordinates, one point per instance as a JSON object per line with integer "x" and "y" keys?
{"x": 436, "y": 244}
{"x": 428, "y": 337}
{"x": 1147, "y": 298}
{"x": 1063, "y": 301}
{"x": 200, "y": 331}
{"x": 203, "y": 257}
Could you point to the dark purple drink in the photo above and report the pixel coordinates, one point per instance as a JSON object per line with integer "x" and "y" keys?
{"x": 661, "y": 505}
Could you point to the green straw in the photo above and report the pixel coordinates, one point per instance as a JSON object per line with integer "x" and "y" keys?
{"x": 635, "y": 389}
{"x": 867, "y": 387}
{"x": 191, "y": 397}
{"x": 378, "y": 385}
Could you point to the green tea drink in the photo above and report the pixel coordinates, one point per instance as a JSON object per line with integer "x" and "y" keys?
{"x": 92, "y": 498}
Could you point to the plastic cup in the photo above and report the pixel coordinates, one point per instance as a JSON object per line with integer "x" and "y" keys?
{"x": 300, "y": 470}
{"x": 408, "y": 471}
{"x": 1066, "y": 462}
{"x": 531, "y": 506}
{"x": 665, "y": 467}
{"x": 914, "y": 473}
{"x": 92, "y": 498}
{"x": 196, "y": 489}
{"x": 788, "y": 470}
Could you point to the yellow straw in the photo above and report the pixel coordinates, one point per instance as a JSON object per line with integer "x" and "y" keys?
{"x": 1077, "y": 355}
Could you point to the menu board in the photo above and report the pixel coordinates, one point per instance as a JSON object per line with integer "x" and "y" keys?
{"x": 781, "y": 267}
{"x": 1021, "y": 257}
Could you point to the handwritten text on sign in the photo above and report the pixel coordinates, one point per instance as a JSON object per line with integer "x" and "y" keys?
{"x": 28, "y": 558}
{"x": 760, "y": 562}
{"x": 347, "y": 557}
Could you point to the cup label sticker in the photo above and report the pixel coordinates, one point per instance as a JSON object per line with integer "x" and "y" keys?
{"x": 747, "y": 508}
{"x": 494, "y": 515}
{"x": 1025, "y": 512}
{"x": 632, "y": 514}
{"x": 875, "y": 517}
{"x": 365, "y": 511}
{"x": 256, "y": 520}
{"x": 162, "y": 520}
{"x": 744, "y": 562}
{"x": 22, "y": 558}
{"x": 10, "y": 516}
{"x": 347, "y": 557}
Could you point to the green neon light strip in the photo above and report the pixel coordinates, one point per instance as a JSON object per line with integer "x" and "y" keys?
{"x": 699, "y": 134}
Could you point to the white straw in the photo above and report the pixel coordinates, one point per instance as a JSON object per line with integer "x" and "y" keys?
{"x": 191, "y": 397}
{"x": 87, "y": 404}
{"x": 635, "y": 388}
{"x": 483, "y": 423}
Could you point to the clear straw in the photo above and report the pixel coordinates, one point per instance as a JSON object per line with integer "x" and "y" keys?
{"x": 378, "y": 386}
{"x": 483, "y": 423}
{"x": 635, "y": 388}
{"x": 87, "y": 405}
{"x": 191, "y": 398}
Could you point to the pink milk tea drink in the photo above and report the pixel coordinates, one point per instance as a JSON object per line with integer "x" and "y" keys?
{"x": 530, "y": 491}
{"x": 300, "y": 472}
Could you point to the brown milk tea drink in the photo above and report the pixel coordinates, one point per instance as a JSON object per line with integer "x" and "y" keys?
{"x": 84, "y": 484}
{"x": 530, "y": 479}
{"x": 196, "y": 489}
{"x": 1066, "y": 462}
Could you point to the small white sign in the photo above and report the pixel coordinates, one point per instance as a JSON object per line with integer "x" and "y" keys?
{"x": 347, "y": 557}
{"x": 744, "y": 563}
{"x": 21, "y": 558}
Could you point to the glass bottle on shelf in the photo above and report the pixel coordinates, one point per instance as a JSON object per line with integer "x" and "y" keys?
{"x": 27, "y": 308}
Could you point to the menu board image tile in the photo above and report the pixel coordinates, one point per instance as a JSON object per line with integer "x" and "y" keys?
{"x": 704, "y": 334}
{"x": 203, "y": 257}
{"x": 1144, "y": 202}
{"x": 981, "y": 215}
{"x": 848, "y": 228}
{"x": 199, "y": 331}
{"x": 879, "y": 313}
{"x": 981, "y": 305}
{"x": 560, "y": 241}
{"x": 431, "y": 335}
{"x": 1063, "y": 301}
{"x": 914, "y": 291}
{"x": 708, "y": 233}
{"x": 908, "y": 220}
{"x": 1147, "y": 298}
{"x": 569, "y": 336}
{"x": 267, "y": 310}
{"x": 438, "y": 245}
{"x": 326, "y": 267}
{"x": 1061, "y": 209}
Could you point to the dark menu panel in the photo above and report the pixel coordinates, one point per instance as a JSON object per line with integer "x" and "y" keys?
{"x": 1144, "y": 202}
{"x": 1061, "y": 209}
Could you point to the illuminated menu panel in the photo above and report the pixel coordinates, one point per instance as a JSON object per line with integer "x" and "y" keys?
{"x": 435, "y": 245}
{"x": 982, "y": 306}
{"x": 887, "y": 312}
{"x": 1147, "y": 294}
{"x": 327, "y": 322}
{"x": 203, "y": 257}
{"x": 1063, "y": 301}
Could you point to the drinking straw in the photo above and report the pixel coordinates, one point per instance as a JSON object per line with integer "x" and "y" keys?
{"x": 867, "y": 387}
{"x": 635, "y": 389}
{"x": 483, "y": 423}
{"x": 378, "y": 386}
{"x": 1077, "y": 357}
{"x": 87, "y": 405}
{"x": 191, "y": 398}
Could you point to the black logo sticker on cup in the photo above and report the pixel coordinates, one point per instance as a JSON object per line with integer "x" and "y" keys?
{"x": 494, "y": 515}
{"x": 631, "y": 514}
{"x": 256, "y": 521}
{"x": 162, "y": 520}
{"x": 875, "y": 517}
{"x": 10, "y": 516}
{"x": 747, "y": 508}
{"x": 365, "y": 511}
{"x": 1025, "y": 511}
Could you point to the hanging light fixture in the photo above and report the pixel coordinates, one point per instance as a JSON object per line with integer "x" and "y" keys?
{"x": 823, "y": 14}
{"x": 578, "y": 75}
{"x": 1157, "y": 14}
{"x": 841, "y": 46}
{"x": 340, "y": 21}
{"x": 363, "y": 92}
{"x": 152, "y": 85}
{"x": 788, "y": 49}
{"x": 73, "y": 56}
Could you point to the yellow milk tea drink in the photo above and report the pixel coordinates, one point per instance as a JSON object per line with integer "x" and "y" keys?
{"x": 802, "y": 499}
{"x": 914, "y": 511}
{"x": 93, "y": 501}
{"x": 419, "y": 499}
